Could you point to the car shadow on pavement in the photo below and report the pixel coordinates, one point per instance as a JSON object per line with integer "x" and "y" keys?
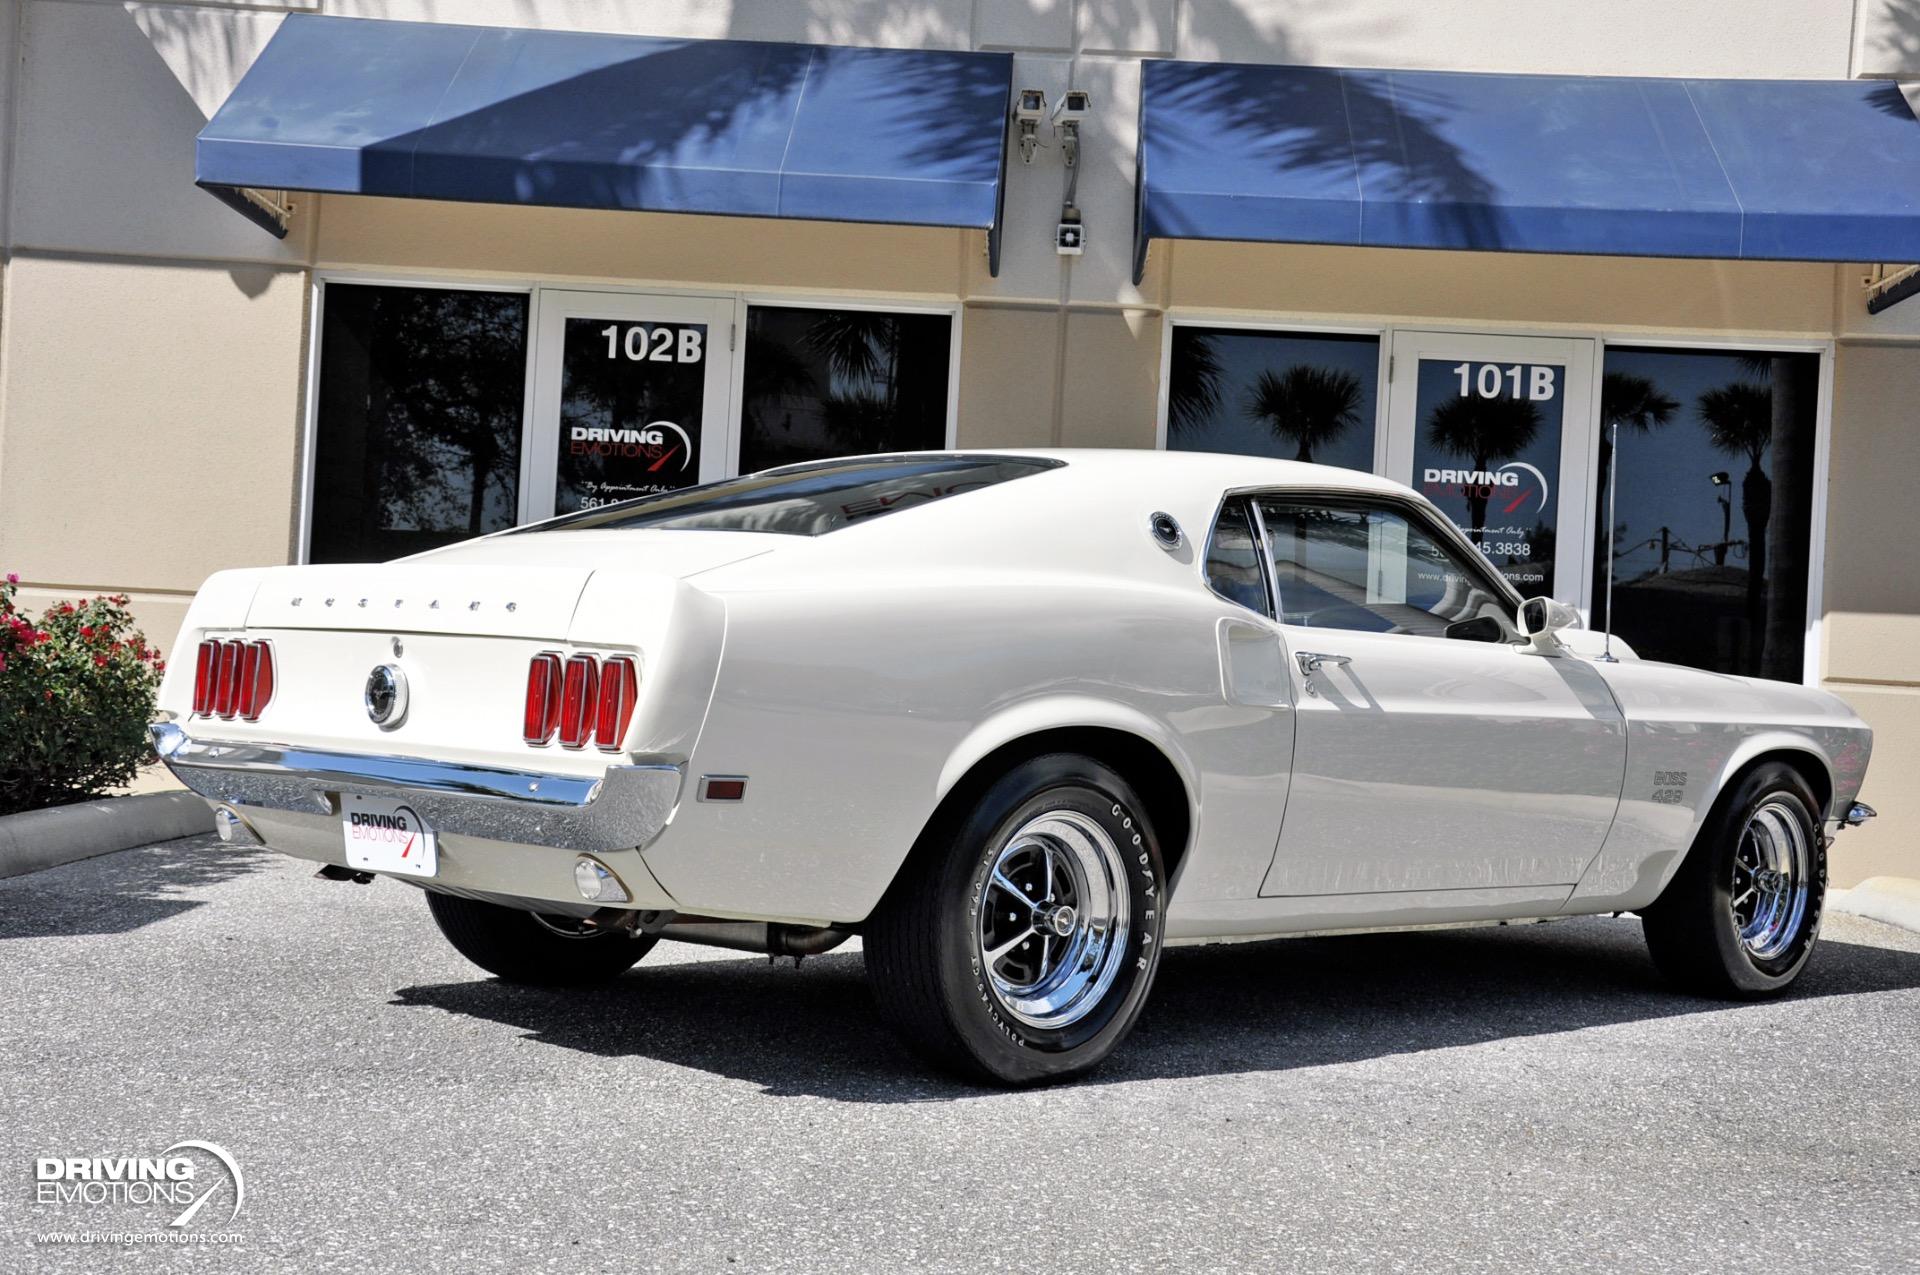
{"x": 117, "y": 893}
{"x": 1215, "y": 1010}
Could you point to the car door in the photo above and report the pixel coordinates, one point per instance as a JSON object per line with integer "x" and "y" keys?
{"x": 1433, "y": 750}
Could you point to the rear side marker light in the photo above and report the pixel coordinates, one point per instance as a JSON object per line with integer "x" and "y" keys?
{"x": 723, "y": 787}
{"x": 232, "y": 679}
{"x": 579, "y": 701}
{"x": 619, "y": 687}
{"x": 543, "y": 699}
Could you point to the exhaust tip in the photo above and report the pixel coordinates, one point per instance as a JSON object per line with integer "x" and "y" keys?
{"x": 233, "y": 828}
{"x": 596, "y": 881}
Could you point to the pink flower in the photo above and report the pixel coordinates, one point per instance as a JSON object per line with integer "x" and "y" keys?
{"x": 13, "y": 577}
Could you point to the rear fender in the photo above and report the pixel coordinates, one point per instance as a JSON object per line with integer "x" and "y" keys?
{"x": 221, "y": 605}
{"x": 680, "y": 632}
{"x": 1054, "y": 712}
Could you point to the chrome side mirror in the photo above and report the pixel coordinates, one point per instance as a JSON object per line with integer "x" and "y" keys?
{"x": 1541, "y": 618}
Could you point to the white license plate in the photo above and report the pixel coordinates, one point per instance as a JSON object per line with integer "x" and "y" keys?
{"x": 387, "y": 836}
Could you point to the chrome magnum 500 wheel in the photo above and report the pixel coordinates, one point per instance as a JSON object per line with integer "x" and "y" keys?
{"x": 1019, "y": 944}
{"x": 1053, "y": 919}
{"x": 1741, "y": 916}
{"x": 1768, "y": 886}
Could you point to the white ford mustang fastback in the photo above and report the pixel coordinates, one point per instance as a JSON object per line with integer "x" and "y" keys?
{"x": 1018, "y": 720}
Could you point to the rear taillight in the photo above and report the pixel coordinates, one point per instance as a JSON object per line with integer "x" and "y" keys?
{"x": 226, "y": 695}
{"x": 543, "y": 698}
{"x": 205, "y": 670}
{"x": 579, "y": 699}
{"x": 232, "y": 679}
{"x": 619, "y": 687}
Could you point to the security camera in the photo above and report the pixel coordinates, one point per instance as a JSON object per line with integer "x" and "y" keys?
{"x": 1074, "y": 107}
{"x": 1029, "y": 108}
{"x": 1074, "y": 104}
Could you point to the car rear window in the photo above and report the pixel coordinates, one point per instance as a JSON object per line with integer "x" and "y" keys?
{"x": 808, "y": 500}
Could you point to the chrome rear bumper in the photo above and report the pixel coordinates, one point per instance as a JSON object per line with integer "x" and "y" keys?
{"x": 624, "y": 810}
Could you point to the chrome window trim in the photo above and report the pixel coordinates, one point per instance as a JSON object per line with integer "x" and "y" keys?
{"x": 1412, "y": 508}
{"x": 1264, "y": 552}
{"x": 1260, "y": 555}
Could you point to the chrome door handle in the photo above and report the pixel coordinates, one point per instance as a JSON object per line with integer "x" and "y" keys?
{"x": 1312, "y": 660}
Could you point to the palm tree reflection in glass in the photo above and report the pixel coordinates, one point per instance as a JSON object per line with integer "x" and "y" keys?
{"x": 842, "y": 382}
{"x": 1485, "y": 431}
{"x": 1738, "y": 418}
{"x": 862, "y": 352}
{"x": 1305, "y": 405}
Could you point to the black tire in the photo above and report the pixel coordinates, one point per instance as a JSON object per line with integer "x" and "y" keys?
{"x": 925, "y": 943}
{"x": 1692, "y": 931}
{"x": 520, "y": 948}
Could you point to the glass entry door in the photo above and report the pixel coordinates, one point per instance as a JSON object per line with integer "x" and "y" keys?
{"x": 1497, "y": 431}
{"x": 630, "y": 398}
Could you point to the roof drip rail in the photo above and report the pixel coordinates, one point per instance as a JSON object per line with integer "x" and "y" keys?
{"x": 1887, "y": 286}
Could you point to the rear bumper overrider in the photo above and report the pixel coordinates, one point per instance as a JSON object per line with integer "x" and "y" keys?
{"x": 622, "y": 810}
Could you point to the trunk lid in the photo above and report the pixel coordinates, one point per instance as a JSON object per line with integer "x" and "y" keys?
{"x": 514, "y": 586}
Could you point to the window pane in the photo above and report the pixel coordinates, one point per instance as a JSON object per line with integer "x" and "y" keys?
{"x": 418, "y": 425}
{"x": 1284, "y": 394}
{"x": 1233, "y": 567}
{"x": 809, "y": 500}
{"x": 632, "y": 399}
{"x": 824, "y": 383}
{"x": 1340, "y": 567}
{"x": 1715, "y": 506}
{"x": 1488, "y": 452}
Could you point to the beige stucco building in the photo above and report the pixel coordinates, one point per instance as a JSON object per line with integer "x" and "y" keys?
{"x": 182, "y": 392}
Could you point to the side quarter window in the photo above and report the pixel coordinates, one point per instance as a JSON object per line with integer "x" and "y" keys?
{"x": 1340, "y": 565}
{"x": 1233, "y": 559}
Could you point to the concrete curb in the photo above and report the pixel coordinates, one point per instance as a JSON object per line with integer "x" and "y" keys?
{"x": 37, "y": 839}
{"x": 1892, "y": 900}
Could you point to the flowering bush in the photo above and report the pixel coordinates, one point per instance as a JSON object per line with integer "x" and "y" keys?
{"x": 76, "y": 694}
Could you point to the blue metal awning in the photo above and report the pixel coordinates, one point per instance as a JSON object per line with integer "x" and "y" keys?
{"x": 735, "y": 127}
{"x": 1801, "y": 170}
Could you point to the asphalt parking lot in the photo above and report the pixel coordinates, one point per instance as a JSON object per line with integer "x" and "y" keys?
{"x": 1522, "y": 1098}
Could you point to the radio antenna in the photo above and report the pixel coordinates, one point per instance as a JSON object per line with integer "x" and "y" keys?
{"x": 1613, "y": 480}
